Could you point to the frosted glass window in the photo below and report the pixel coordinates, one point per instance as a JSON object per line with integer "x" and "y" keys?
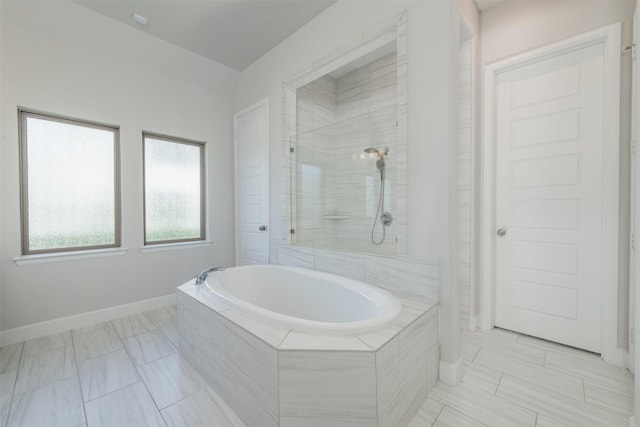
{"x": 70, "y": 184}
{"x": 174, "y": 189}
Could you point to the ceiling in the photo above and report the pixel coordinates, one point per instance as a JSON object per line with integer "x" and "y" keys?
{"x": 486, "y": 4}
{"x": 232, "y": 32}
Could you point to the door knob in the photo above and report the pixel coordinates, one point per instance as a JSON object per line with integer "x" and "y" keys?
{"x": 501, "y": 232}
{"x": 262, "y": 228}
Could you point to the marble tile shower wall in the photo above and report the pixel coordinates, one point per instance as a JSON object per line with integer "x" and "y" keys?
{"x": 366, "y": 113}
{"x": 338, "y": 185}
{"x": 316, "y": 162}
{"x": 402, "y": 274}
{"x": 464, "y": 181}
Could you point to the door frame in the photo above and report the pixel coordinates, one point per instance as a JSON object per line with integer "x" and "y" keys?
{"x": 610, "y": 37}
{"x": 236, "y": 173}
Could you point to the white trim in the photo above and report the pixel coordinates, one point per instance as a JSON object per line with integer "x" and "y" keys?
{"x": 68, "y": 256}
{"x": 173, "y": 246}
{"x": 610, "y": 37}
{"x": 41, "y": 329}
{"x": 452, "y": 373}
{"x": 264, "y": 102}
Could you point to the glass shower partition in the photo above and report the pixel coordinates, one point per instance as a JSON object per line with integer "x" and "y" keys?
{"x": 336, "y": 185}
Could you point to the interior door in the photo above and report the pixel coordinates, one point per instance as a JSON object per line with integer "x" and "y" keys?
{"x": 549, "y": 198}
{"x": 251, "y": 137}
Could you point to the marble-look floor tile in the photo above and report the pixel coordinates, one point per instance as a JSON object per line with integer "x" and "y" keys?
{"x": 169, "y": 328}
{"x": 90, "y": 328}
{"x": 544, "y": 421}
{"x": 481, "y": 406}
{"x": 427, "y": 413}
{"x": 553, "y": 346}
{"x": 133, "y": 325}
{"x": 129, "y": 406}
{"x": 149, "y": 346}
{"x": 170, "y": 379}
{"x": 164, "y": 313}
{"x": 594, "y": 370}
{"x": 555, "y": 405}
{"x": 204, "y": 408}
{"x": 326, "y": 422}
{"x": 608, "y": 400}
{"x": 506, "y": 344}
{"x": 481, "y": 377}
{"x": 106, "y": 373}
{"x": 451, "y": 418}
{"x": 95, "y": 343}
{"x": 57, "y": 404}
{"x": 48, "y": 343}
{"x": 469, "y": 349}
{"x": 45, "y": 368}
{"x": 10, "y": 357}
{"x": 7, "y": 383}
{"x": 569, "y": 385}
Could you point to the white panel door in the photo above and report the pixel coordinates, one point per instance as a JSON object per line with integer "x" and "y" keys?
{"x": 251, "y": 136}
{"x": 549, "y": 198}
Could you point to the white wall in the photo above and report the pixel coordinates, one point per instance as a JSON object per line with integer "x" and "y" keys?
{"x": 341, "y": 25}
{"x": 432, "y": 79}
{"x": 514, "y": 27}
{"x": 62, "y": 58}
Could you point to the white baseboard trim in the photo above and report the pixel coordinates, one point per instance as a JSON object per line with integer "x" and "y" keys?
{"x": 473, "y": 323}
{"x": 452, "y": 373}
{"x": 619, "y": 357}
{"x": 41, "y": 329}
{"x": 632, "y": 421}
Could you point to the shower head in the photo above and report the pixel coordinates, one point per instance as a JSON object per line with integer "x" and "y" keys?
{"x": 380, "y": 153}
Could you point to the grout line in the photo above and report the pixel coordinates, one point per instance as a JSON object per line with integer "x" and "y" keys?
{"x": 15, "y": 383}
{"x": 75, "y": 363}
{"x": 495, "y": 393}
{"x": 439, "y": 413}
{"x": 144, "y": 384}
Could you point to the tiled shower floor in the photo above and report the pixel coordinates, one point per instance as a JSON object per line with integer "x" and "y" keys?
{"x": 128, "y": 372}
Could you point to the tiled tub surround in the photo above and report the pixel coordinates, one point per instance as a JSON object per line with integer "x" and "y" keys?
{"x": 277, "y": 377}
{"x": 403, "y": 273}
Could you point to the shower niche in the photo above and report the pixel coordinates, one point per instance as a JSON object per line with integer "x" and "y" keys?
{"x": 345, "y": 148}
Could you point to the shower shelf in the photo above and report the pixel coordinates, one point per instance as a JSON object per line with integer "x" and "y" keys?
{"x": 336, "y": 217}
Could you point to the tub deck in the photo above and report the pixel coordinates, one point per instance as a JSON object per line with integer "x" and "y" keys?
{"x": 272, "y": 376}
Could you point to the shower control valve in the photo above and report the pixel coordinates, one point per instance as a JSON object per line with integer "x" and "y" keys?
{"x": 386, "y": 219}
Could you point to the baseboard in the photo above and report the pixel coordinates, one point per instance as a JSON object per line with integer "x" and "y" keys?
{"x": 452, "y": 373}
{"x": 618, "y": 357}
{"x": 473, "y": 323}
{"x": 41, "y": 329}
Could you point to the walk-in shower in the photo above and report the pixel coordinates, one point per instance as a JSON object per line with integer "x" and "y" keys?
{"x": 344, "y": 104}
{"x": 385, "y": 217}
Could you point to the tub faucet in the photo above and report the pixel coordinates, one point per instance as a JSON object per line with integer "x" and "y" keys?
{"x": 203, "y": 276}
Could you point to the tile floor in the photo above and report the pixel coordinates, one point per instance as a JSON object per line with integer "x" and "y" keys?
{"x": 127, "y": 372}
{"x": 517, "y": 380}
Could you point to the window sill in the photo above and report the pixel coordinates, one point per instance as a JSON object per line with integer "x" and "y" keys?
{"x": 68, "y": 256}
{"x": 173, "y": 246}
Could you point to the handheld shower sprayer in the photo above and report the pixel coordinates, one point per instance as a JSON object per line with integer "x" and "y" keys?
{"x": 385, "y": 217}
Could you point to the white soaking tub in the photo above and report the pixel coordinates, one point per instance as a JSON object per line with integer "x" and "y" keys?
{"x": 305, "y": 300}
{"x": 287, "y": 346}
